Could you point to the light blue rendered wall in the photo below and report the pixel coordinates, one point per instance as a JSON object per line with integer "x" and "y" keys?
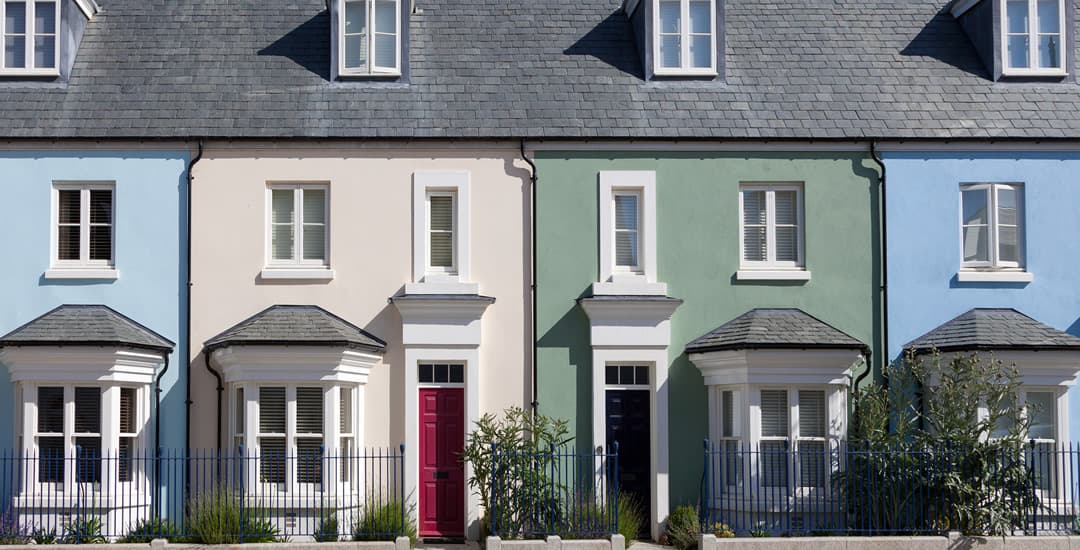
{"x": 924, "y": 244}
{"x": 150, "y": 202}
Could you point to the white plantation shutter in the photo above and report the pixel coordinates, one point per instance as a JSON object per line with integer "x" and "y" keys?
{"x": 309, "y": 410}
{"x": 441, "y": 230}
{"x": 128, "y": 411}
{"x": 812, "y": 424}
{"x": 755, "y": 247}
{"x": 88, "y": 410}
{"x": 272, "y": 410}
{"x": 282, "y": 228}
{"x": 727, "y": 428}
{"x": 627, "y": 230}
{"x": 345, "y": 413}
{"x": 812, "y": 413}
{"x": 101, "y": 220}
{"x": 774, "y": 413}
{"x": 50, "y": 410}
{"x": 787, "y": 228}
{"x": 314, "y": 218}
{"x": 69, "y": 209}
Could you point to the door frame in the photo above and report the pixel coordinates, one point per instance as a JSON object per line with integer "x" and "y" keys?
{"x": 657, "y": 360}
{"x": 470, "y": 357}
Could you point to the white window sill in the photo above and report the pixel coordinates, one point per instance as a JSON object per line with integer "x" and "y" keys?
{"x": 296, "y": 274}
{"x": 29, "y": 72}
{"x": 442, "y": 287}
{"x": 621, "y": 286}
{"x": 669, "y": 71}
{"x": 86, "y": 273}
{"x": 994, "y": 276}
{"x": 772, "y": 275}
{"x": 1034, "y": 72}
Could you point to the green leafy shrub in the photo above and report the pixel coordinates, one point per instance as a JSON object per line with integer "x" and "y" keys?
{"x": 83, "y": 530}
{"x": 12, "y": 531}
{"x": 327, "y": 530}
{"x": 760, "y": 532}
{"x": 42, "y": 535}
{"x": 683, "y": 527}
{"x": 146, "y": 530}
{"x": 383, "y": 521}
{"x": 216, "y": 517}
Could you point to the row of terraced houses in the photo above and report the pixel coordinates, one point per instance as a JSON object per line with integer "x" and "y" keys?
{"x": 293, "y": 224}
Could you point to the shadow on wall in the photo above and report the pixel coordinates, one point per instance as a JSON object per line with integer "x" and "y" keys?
{"x": 611, "y": 42}
{"x": 944, "y": 39}
{"x": 387, "y": 325}
{"x": 688, "y": 423}
{"x": 571, "y": 333}
{"x": 308, "y": 45}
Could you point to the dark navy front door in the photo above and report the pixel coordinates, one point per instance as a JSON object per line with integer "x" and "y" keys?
{"x": 627, "y": 418}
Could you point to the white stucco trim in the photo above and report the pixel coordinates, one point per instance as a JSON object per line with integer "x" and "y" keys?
{"x": 441, "y": 330}
{"x": 969, "y": 276}
{"x": 772, "y": 275}
{"x": 635, "y": 331}
{"x": 772, "y": 366}
{"x": 285, "y": 274}
{"x": 456, "y": 182}
{"x": 611, "y": 280}
{"x": 73, "y": 364}
{"x": 76, "y": 273}
{"x": 1043, "y": 368}
{"x": 294, "y": 364}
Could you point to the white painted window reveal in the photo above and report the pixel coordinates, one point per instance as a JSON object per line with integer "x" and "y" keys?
{"x": 30, "y": 31}
{"x": 991, "y": 226}
{"x": 685, "y": 41}
{"x": 370, "y": 37}
{"x": 1033, "y": 37}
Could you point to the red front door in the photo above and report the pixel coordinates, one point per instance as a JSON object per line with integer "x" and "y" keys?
{"x": 442, "y": 476}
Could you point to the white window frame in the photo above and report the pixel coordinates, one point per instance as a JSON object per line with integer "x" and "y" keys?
{"x": 31, "y": 33}
{"x": 452, "y": 268}
{"x": 84, "y": 267}
{"x": 297, "y": 267}
{"x": 643, "y": 183}
{"x": 1033, "y": 42}
{"x": 639, "y": 194}
{"x": 109, "y": 434}
{"x": 437, "y": 384}
{"x": 426, "y": 184}
{"x": 371, "y": 69}
{"x": 684, "y": 38}
{"x": 770, "y": 263}
{"x": 994, "y": 263}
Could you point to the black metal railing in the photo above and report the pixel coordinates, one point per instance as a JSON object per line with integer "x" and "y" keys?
{"x": 554, "y": 491}
{"x": 202, "y": 496}
{"x": 844, "y": 488}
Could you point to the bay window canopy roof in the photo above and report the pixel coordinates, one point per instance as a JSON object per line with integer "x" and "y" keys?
{"x": 297, "y": 325}
{"x": 86, "y": 325}
{"x": 775, "y": 328}
{"x": 994, "y": 329}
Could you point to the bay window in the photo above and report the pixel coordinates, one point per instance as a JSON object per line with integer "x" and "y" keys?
{"x": 1042, "y": 455}
{"x": 1033, "y": 37}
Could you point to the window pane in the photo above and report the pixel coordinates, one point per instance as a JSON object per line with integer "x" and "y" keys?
{"x": 626, "y": 249}
{"x": 356, "y": 52}
{"x": 1007, "y": 205}
{"x": 753, "y": 207}
{"x": 786, "y": 203}
{"x": 45, "y": 52}
{"x": 272, "y": 459}
{"x": 1049, "y": 22}
{"x": 68, "y": 242}
{"x": 88, "y": 459}
{"x": 457, "y": 374}
{"x": 241, "y": 410}
{"x": 101, "y": 243}
{"x": 626, "y": 211}
{"x": 1042, "y": 411}
{"x": 641, "y": 375}
{"x": 15, "y": 52}
{"x": 442, "y": 373}
{"x": 314, "y": 242}
{"x": 45, "y": 17}
{"x": 626, "y": 374}
{"x": 774, "y": 413}
{"x": 670, "y": 51}
{"x": 68, "y": 203}
{"x": 282, "y": 232}
{"x": 272, "y": 410}
{"x": 974, "y": 206}
{"x": 309, "y": 460}
{"x": 51, "y": 466}
{"x": 282, "y": 248}
{"x": 1044, "y": 460}
{"x": 355, "y": 17}
{"x": 701, "y": 51}
{"x": 314, "y": 205}
{"x": 282, "y": 206}
{"x": 125, "y": 456}
{"x": 386, "y": 50}
{"x": 811, "y": 413}
{"x": 101, "y": 209}
{"x": 774, "y": 463}
{"x": 787, "y": 244}
{"x": 87, "y": 410}
{"x": 426, "y": 374}
{"x": 128, "y": 410}
{"x": 700, "y": 22}
{"x": 1018, "y": 51}
{"x": 309, "y": 410}
{"x": 670, "y": 14}
{"x": 727, "y": 407}
{"x": 976, "y": 248}
{"x": 1016, "y": 16}
{"x": 812, "y": 460}
{"x": 385, "y": 16}
{"x": 345, "y": 410}
{"x": 1049, "y": 56}
{"x": 15, "y": 17}
{"x": 442, "y": 212}
{"x": 611, "y": 374}
{"x": 50, "y": 410}
{"x": 1008, "y": 244}
{"x": 754, "y": 246}
{"x": 442, "y": 250}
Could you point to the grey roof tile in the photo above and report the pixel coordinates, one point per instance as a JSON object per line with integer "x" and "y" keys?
{"x": 994, "y": 329}
{"x": 86, "y": 325}
{"x": 767, "y": 328}
{"x": 284, "y": 325}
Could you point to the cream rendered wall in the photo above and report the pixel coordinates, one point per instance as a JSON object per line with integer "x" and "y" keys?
{"x": 370, "y": 252}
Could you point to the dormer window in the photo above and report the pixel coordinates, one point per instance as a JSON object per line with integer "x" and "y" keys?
{"x": 370, "y": 32}
{"x": 685, "y": 40}
{"x": 30, "y": 43}
{"x": 1033, "y": 37}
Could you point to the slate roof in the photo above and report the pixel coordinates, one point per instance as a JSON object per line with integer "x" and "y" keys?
{"x": 86, "y": 325}
{"x": 296, "y": 325}
{"x": 795, "y": 69}
{"x": 994, "y": 329}
{"x": 766, "y": 328}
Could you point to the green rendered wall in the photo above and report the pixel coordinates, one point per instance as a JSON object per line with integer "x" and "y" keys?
{"x": 697, "y": 251}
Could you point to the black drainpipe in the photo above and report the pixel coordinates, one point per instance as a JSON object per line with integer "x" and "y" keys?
{"x": 532, "y": 287}
{"x": 220, "y": 389}
{"x": 187, "y": 348}
{"x": 157, "y": 404}
{"x": 884, "y": 288}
